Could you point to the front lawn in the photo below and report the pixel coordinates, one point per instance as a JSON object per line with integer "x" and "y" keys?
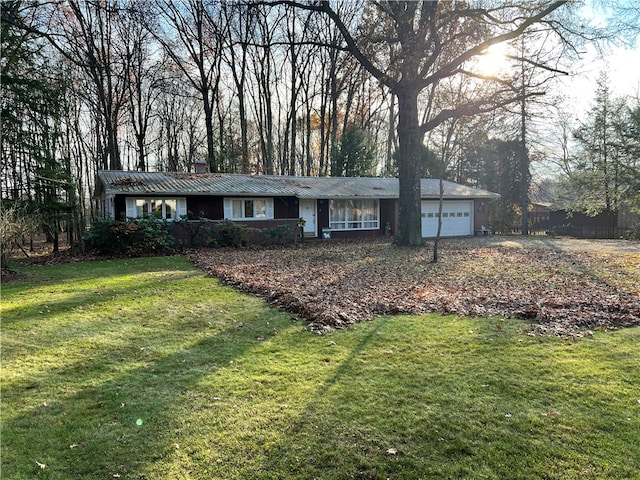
{"x": 147, "y": 369}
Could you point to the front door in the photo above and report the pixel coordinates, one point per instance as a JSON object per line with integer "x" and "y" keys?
{"x": 308, "y": 213}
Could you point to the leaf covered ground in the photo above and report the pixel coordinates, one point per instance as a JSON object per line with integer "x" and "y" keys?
{"x": 335, "y": 284}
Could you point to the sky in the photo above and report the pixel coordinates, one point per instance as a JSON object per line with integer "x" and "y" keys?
{"x": 578, "y": 89}
{"x": 621, "y": 62}
{"x": 623, "y": 67}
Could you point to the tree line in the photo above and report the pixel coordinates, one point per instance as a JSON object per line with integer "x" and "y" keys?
{"x": 280, "y": 87}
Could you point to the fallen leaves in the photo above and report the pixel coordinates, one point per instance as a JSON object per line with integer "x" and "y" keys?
{"x": 552, "y": 413}
{"x": 335, "y": 284}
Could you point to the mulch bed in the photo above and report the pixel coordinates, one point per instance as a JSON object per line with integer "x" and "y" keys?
{"x": 336, "y": 284}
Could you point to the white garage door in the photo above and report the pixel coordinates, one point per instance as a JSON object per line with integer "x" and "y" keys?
{"x": 457, "y": 218}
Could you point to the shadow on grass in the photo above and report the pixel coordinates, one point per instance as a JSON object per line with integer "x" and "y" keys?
{"x": 43, "y": 311}
{"x": 113, "y": 420}
{"x": 452, "y": 409}
{"x": 426, "y": 399}
{"x": 450, "y": 412}
{"x": 77, "y": 409}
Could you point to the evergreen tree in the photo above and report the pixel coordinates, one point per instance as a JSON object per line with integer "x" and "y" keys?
{"x": 356, "y": 157}
{"x": 630, "y": 169}
{"x": 607, "y": 165}
{"x": 499, "y": 167}
{"x": 430, "y": 164}
{"x": 33, "y": 174}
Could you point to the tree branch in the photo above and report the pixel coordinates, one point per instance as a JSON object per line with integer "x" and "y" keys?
{"x": 537, "y": 64}
{"x": 324, "y": 7}
{"x": 7, "y": 16}
{"x": 473, "y": 108}
{"x": 452, "y": 66}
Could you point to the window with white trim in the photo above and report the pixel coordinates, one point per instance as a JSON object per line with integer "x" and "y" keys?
{"x": 354, "y": 214}
{"x": 162, "y": 208}
{"x": 248, "y": 208}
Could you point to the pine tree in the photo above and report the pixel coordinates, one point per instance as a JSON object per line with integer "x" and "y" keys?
{"x": 356, "y": 157}
{"x": 596, "y": 180}
{"x": 34, "y": 176}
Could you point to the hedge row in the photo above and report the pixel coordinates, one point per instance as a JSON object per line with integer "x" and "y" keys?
{"x": 146, "y": 236}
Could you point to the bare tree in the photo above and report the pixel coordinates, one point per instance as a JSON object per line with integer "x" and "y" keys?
{"x": 239, "y": 22}
{"x": 262, "y": 68}
{"x": 145, "y": 79}
{"x": 92, "y": 34}
{"x": 180, "y": 137}
{"x": 434, "y": 41}
{"x": 191, "y": 34}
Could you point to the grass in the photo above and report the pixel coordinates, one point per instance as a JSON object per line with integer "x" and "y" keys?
{"x": 146, "y": 369}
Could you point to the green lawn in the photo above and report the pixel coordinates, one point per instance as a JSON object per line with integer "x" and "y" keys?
{"x": 147, "y": 369}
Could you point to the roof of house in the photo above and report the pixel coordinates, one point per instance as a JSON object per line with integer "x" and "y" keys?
{"x": 172, "y": 183}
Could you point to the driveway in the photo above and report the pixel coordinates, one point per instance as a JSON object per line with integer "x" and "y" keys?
{"x": 563, "y": 244}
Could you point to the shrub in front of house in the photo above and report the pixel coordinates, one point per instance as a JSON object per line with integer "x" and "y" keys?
{"x": 191, "y": 231}
{"x": 281, "y": 234}
{"x": 231, "y": 234}
{"x": 133, "y": 237}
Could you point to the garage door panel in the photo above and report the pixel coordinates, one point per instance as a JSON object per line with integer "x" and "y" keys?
{"x": 457, "y": 218}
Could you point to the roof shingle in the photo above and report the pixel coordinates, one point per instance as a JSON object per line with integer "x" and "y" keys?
{"x": 169, "y": 183}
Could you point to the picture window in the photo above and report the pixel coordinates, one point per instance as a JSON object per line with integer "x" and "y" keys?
{"x": 354, "y": 214}
{"x": 248, "y": 208}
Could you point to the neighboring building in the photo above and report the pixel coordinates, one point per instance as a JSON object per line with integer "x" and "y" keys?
{"x": 539, "y": 213}
{"x": 340, "y": 207}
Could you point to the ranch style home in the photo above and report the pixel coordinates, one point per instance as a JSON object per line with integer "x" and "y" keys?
{"x": 331, "y": 207}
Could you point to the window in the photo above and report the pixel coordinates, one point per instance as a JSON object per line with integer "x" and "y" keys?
{"x": 162, "y": 208}
{"x": 248, "y": 208}
{"x": 354, "y": 214}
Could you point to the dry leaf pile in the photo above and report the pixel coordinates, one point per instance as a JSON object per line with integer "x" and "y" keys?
{"x": 335, "y": 284}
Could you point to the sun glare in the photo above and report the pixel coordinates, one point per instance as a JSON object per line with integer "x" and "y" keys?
{"x": 494, "y": 60}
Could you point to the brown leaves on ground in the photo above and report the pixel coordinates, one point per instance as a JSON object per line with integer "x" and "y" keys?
{"x": 335, "y": 284}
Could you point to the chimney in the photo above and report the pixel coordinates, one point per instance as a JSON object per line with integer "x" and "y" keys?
{"x": 201, "y": 166}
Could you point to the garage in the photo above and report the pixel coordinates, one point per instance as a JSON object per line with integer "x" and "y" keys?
{"x": 457, "y": 218}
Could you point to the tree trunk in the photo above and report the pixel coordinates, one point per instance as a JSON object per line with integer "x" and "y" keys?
{"x": 524, "y": 166}
{"x": 269, "y": 160}
{"x": 333, "y": 135}
{"x": 244, "y": 135}
{"x": 409, "y": 140}
{"x": 113, "y": 149}
{"x": 293, "y": 120}
{"x": 308, "y": 155}
{"x": 437, "y": 240}
{"x": 208, "y": 120}
{"x": 389, "y": 167}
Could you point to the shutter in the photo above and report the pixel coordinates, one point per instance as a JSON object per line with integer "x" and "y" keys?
{"x": 228, "y": 209}
{"x": 181, "y": 210}
{"x": 269, "y": 205}
{"x": 132, "y": 212}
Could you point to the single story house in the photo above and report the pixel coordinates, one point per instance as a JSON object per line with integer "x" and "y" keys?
{"x": 338, "y": 207}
